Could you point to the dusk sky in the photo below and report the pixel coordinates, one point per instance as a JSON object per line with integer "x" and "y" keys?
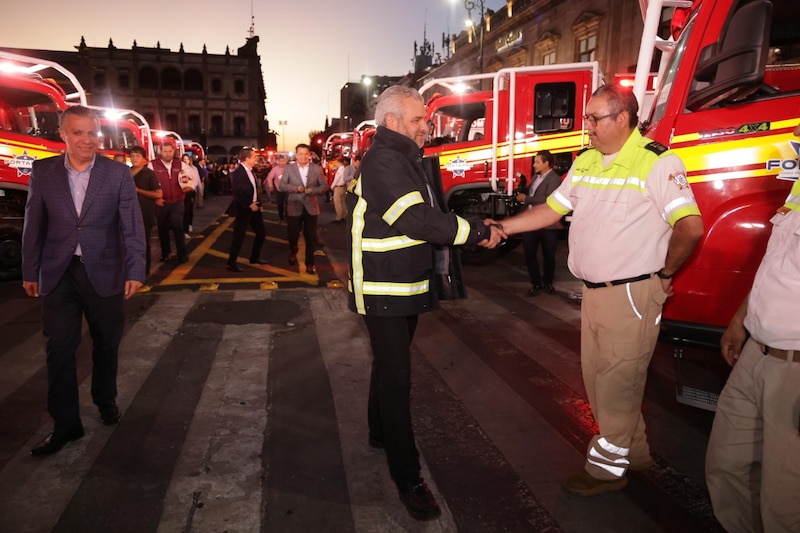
{"x": 309, "y": 49}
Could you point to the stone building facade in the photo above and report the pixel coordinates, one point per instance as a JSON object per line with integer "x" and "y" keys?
{"x": 529, "y": 33}
{"x": 215, "y": 99}
{"x": 544, "y": 32}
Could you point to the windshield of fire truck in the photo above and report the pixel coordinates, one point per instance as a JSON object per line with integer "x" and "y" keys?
{"x": 117, "y": 137}
{"x": 28, "y": 113}
{"x": 665, "y": 85}
{"x": 457, "y": 123}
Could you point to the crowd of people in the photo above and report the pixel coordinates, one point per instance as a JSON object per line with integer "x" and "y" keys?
{"x": 402, "y": 241}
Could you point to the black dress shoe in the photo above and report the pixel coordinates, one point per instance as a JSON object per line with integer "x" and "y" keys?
{"x": 292, "y": 259}
{"x": 109, "y": 414}
{"x": 183, "y": 259}
{"x": 550, "y": 289}
{"x": 419, "y": 501}
{"x": 311, "y": 270}
{"x": 233, "y": 267}
{"x": 258, "y": 262}
{"x": 56, "y": 440}
{"x": 536, "y": 289}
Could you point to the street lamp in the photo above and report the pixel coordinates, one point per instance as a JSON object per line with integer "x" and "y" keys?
{"x": 282, "y": 124}
{"x": 470, "y": 5}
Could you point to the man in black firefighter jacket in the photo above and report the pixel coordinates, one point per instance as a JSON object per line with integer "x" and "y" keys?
{"x": 398, "y": 252}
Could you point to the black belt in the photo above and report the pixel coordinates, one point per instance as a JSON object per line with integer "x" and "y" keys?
{"x": 593, "y": 285}
{"x": 77, "y": 258}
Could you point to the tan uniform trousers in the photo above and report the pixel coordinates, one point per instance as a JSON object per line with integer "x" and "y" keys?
{"x": 753, "y": 457}
{"x": 619, "y": 330}
{"x": 340, "y": 202}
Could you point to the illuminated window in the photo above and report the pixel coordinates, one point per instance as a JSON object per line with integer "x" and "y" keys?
{"x": 586, "y": 49}
{"x": 585, "y": 30}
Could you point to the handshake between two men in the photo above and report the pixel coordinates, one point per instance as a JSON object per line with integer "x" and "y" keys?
{"x": 497, "y": 234}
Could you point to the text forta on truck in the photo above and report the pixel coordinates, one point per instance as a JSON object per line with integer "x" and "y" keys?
{"x": 727, "y": 101}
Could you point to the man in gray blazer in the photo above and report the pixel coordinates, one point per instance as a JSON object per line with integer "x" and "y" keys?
{"x": 545, "y": 180}
{"x": 303, "y": 181}
{"x": 83, "y": 252}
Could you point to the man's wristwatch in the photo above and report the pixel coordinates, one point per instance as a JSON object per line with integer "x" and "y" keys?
{"x": 661, "y": 274}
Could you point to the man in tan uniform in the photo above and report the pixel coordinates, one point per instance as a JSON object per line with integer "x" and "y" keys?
{"x": 634, "y": 223}
{"x": 752, "y": 463}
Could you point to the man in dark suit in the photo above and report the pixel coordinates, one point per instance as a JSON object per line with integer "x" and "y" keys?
{"x": 303, "y": 181}
{"x": 545, "y": 181}
{"x": 83, "y": 252}
{"x": 247, "y": 210}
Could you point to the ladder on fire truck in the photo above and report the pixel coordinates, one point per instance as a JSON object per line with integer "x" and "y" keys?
{"x": 651, "y": 15}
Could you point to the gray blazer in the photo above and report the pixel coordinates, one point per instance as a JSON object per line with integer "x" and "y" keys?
{"x": 295, "y": 201}
{"x": 109, "y": 229}
{"x": 550, "y": 183}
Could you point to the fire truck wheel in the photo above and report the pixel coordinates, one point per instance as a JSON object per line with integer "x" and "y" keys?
{"x": 10, "y": 254}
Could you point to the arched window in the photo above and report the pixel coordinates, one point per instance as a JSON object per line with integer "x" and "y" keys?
{"x": 148, "y": 78}
{"x": 193, "y": 80}
{"x": 170, "y": 79}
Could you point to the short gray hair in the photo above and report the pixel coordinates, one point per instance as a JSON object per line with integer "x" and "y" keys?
{"x": 390, "y": 102}
{"x": 78, "y": 111}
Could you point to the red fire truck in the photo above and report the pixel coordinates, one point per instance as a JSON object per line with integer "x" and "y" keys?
{"x": 30, "y": 104}
{"x": 486, "y": 140}
{"x": 337, "y": 145}
{"x": 121, "y": 129}
{"x": 29, "y": 109}
{"x": 727, "y": 100}
{"x": 362, "y": 137}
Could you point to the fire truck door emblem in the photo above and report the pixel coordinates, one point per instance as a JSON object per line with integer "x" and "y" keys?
{"x": 788, "y": 169}
{"x": 458, "y": 166}
{"x": 23, "y": 163}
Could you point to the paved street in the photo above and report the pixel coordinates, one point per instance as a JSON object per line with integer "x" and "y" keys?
{"x": 244, "y": 410}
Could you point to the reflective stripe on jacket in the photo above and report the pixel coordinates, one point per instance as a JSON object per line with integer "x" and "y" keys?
{"x": 394, "y": 227}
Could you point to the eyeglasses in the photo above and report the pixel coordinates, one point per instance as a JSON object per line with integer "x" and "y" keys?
{"x": 592, "y": 120}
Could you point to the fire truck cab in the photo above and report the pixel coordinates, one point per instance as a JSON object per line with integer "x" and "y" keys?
{"x": 486, "y": 140}
{"x": 337, "y": 145}
{"x": 122, "y": 129}
{"x": 727, "y": 102}
{"x": 362, "y": 137}
{"x": 29, "y": 114}
{"x": 194, "y": 149}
